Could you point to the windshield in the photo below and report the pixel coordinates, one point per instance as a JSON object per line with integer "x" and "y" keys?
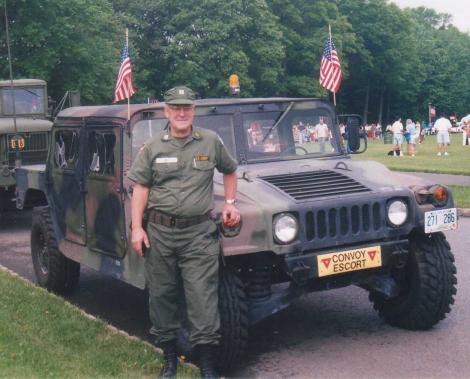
{"x": 221, "y": 124}
{"x": 28, "y": 100}
{"x": 300, "y": 132}
{"x": 144, "y": 130}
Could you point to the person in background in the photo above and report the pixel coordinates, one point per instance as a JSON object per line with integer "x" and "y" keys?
{"x": 466, "y": 132}
{"x": 397, "y": 129}
{"x": 418, "y": 132}
{"x": 410, "y": 137}
{"x": 442, "y": 127}
{"x": 322, "y": 133}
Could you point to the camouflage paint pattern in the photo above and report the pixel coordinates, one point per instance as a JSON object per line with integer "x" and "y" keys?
{"x": 80, "y": 224}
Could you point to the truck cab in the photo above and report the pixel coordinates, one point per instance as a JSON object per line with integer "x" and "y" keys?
{"x": 24, "y": 130}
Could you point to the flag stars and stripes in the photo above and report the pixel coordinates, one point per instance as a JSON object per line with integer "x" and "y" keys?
{"x": 124, "y": 88}
{"x": 330, "y": 67}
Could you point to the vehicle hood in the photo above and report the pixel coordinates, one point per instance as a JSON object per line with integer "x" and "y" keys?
{"x": 373, "y": 176}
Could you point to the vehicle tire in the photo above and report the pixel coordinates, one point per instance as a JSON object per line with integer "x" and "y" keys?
{"x": 428, "y": 285}
{"x": 53, "y": 270}
{"x": 233, "y": 318}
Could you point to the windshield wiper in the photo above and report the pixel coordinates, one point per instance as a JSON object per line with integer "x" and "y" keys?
{"x": 279, "y": 120}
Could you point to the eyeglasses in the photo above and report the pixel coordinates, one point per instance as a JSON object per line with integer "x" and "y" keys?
{"x": 184, "y": 107}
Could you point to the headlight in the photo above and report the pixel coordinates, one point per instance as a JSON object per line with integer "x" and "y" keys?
{"x": 286, "y": 228}
{"x": 397, "y": 212}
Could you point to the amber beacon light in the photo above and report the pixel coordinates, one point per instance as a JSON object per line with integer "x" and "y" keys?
{"x": 234, "y": 84}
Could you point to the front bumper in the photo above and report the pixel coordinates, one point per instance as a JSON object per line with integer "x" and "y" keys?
{"x": 304, "y": 268}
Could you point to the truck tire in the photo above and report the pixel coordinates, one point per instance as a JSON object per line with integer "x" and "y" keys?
{"x": 428, "y": 285}
{"x": 53, "y": 270}
{"x": 233, "y": 319}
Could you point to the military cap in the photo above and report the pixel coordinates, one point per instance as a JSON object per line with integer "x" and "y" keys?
{"x": 179, "y": 95}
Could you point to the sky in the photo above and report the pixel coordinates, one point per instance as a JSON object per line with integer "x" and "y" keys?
{"x": 459, "y": 9}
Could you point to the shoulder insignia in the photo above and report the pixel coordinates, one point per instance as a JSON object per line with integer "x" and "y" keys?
{"x": 197, "y": 135}
{"x": 165, "y": 137}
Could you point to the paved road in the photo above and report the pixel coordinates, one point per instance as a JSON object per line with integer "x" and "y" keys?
{"x": 446, "y": 179}
{"x": 334, "y": 334}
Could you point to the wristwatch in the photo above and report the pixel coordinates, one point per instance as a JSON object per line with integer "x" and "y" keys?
{"x": 230, "y": 201}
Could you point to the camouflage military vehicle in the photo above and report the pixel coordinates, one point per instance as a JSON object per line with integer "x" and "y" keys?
{"x": 32, "y": 125}
{"x": 312, "y": 218}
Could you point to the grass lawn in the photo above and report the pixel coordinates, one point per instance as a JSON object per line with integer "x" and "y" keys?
{"x": 461, "y": 196}
{"x": 42, "y": 336}
{"x": 426, "y": 159}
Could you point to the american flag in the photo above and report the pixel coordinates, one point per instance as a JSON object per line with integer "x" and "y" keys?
{"x": 124, "y": 89}
{"x": 330, "y": 68}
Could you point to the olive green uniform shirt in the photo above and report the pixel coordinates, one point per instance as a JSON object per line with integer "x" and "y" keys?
{"x": 180, "y": 173}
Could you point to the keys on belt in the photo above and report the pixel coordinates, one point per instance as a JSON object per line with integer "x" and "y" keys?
{"x": 176, "y": 222}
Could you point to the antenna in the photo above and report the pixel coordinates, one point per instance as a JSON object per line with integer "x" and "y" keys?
{"x": 12, "y": 90}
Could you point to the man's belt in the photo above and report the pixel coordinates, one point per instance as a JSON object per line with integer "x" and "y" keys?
{"x": 176, "y": 222}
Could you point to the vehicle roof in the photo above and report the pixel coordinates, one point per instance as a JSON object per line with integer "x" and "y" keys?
{"x": 23, "y": 82}
{"x": 120, "y": 111}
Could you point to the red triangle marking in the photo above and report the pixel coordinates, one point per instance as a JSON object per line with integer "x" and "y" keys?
{"x": 372, "y": 254}
{"x": 326, "y": 262}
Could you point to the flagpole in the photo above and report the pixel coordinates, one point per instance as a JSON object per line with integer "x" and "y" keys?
{"x": 331, "y": 49}
{"x": 128, "y": 98}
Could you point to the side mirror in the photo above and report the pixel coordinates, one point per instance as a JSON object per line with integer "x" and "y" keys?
{"x": 354, "y": 134}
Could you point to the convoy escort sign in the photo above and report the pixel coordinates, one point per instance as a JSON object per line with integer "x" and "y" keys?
{"x": 350, "y": 260}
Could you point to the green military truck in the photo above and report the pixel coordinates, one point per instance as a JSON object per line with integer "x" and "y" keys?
{"x": 312, "y": 218}
{"x": 30, "y": 138}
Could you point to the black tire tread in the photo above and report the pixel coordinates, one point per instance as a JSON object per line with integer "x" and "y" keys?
{"x": 64, "y": 274}
{"x": 433, "y": 286}
{"x": 234, "y": 320}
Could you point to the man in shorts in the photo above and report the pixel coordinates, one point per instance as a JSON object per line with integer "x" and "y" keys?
{"x": 397, "y": 129}
{"x": 442, "y": 127}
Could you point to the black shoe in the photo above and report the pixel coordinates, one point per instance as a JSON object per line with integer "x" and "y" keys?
{"x": 170, "y": 360}
{"x": 207, "y": 361}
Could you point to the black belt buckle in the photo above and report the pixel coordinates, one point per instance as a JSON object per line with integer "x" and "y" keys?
{"x": 172, "y": 221}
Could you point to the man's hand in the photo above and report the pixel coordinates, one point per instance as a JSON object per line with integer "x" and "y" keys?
{"x": 230, "y": 215}
{"x": 139, "y": 237}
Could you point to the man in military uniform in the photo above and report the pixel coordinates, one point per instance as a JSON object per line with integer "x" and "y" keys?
{"x": 173, "y": 175}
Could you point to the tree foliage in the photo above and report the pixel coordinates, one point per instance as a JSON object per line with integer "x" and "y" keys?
{"x": 73, "y": 45}
{"x": 394, "y": 61}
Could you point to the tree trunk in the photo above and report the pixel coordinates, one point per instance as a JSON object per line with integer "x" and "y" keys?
{"x": 366, "y": 103}
{"x": 388, "y": 107}
{"x": 381, "y": 104}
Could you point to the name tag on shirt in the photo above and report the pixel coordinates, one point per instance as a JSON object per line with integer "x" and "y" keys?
{"x": 166, "y": 160}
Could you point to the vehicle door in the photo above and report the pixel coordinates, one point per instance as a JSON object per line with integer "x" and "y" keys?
{"x": 103, "y": 184}
{"x": 67, "y": 185}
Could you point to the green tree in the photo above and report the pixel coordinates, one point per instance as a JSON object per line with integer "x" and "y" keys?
{"x": 304, "y": 26}
{"x": 202, "y": 42}
{"x": 71, "y": 44}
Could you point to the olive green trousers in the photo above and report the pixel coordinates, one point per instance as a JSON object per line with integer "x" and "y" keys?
{"x": 183, "y": 263}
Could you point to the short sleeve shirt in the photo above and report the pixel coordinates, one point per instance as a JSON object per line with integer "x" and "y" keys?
{"x": 397, "y": 127}
{"x": 322, "y": 130}
{"x": 180, "y": 173}
{"x": 442, "y": 125}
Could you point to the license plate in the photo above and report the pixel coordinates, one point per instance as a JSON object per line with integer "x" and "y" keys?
{"x": 350, "y": 260}
{"x": 440, "y": 220}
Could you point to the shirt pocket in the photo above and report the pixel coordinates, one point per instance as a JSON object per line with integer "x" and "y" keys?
{"x": 203, "y": 165}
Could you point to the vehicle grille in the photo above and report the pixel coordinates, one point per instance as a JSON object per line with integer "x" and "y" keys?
{"x": 344, "y": 221}
{"x": 34, "y": 150}
{"x": 314, "y": 184}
